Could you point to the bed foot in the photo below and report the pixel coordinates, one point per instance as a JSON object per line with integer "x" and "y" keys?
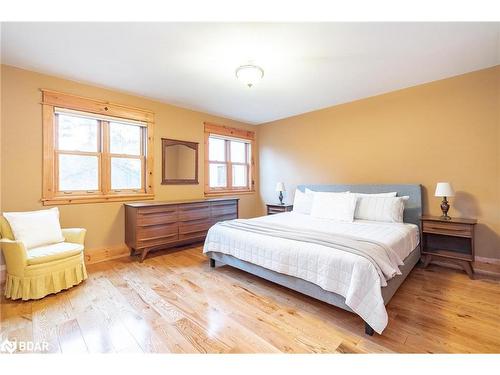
{"x": 369, "y": 330}
{"x": 212, "y": 263}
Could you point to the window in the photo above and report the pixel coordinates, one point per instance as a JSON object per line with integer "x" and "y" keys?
{"x": 94, "y": 157}
{"x": 229, "y": 166}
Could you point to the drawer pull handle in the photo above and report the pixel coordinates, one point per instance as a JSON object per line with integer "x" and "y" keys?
{"x": 156, "y": 213}
{"x": 194, "y": 208}
{"x": 157, "y": 224}
{"x": 449, "y": 229}
{"x": 158, "y": 237}
{"x": 194, "y": 231}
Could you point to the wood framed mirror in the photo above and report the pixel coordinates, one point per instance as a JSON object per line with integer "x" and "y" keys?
{"x": 179, "y": 162}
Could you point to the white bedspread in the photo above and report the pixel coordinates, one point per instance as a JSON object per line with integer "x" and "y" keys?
{"x": 349, "y": 275}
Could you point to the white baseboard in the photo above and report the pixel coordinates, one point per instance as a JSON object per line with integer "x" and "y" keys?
{"x": 103, "y": 254}
{"x": 487, "y": 260}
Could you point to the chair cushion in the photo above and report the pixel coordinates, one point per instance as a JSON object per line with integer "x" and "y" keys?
{"x": 49, "y": 253}
{"x": 36, "y": 228}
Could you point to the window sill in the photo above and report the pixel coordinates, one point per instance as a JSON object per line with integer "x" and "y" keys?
{"x": 96, "y": 199}
{"x": 228, "y": 192}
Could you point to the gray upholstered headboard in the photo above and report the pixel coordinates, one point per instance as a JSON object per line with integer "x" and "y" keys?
{"x": 413, "y": 207}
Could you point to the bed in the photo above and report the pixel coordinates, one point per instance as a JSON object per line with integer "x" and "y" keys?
{"x": 330, "y": 274}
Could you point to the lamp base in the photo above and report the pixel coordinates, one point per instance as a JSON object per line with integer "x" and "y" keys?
{"x": 281, "y": 198}
{"x": 444, "y": 209}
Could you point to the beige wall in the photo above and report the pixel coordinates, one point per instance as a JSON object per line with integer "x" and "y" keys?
{"x": 21, "y": 152}
{"x": 446, "y": 130}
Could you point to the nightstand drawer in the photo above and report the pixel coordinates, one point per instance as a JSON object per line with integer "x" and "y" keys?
{"x": 278, "y": 208}
{"x": 450, "y": 229}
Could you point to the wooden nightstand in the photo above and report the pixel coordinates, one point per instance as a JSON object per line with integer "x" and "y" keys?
{"x": 278, "y": 208}
{"x": 451, "y": 240}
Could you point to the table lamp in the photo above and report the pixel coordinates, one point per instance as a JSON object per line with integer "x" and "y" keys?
{"x": 280, "y": 187}
{"x": 444, "y": 189}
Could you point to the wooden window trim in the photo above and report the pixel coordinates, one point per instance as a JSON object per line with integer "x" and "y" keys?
{"x": 228, "y": 132}
{"x": 50, "y": 195}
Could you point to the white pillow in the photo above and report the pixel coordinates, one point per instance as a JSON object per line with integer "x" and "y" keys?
{"x": 302, "y": 202}
{"x": 35, "y": 228}
{"x": 334, "y": 192}
{"x": 388, "y": 209}
{"x": 392, "y": 194}
{"x": 334, "y": 206}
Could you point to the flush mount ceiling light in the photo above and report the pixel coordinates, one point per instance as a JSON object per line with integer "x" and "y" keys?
{"x": 249, "y": 74}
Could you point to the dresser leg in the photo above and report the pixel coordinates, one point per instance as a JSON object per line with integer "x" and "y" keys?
{"x": 468, "y": 268}
{"x": 144, "y": 253}
{"x": 212, "y": 263}
{"x": 427, "y": 260}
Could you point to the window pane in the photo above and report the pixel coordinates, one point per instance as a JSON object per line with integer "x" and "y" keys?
{"x": 77, "y": 133}
{"x": 240, "y": 176}
{"x": 125, "y": 173}
{"x": 77, "y": 172}
{"x": 238, "y": 152}
{"x": 218, "y": 175}
{"x": 124, "y": 139}
{"x": 216, "y": 150}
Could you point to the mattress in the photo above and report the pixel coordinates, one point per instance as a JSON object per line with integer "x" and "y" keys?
{"x": 401, "y": 237}
{"x": 350, "y": 275}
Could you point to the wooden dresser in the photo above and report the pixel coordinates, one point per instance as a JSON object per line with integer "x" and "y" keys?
{"x": 159, "y": 225}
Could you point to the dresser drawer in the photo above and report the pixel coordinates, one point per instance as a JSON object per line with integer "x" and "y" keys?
{"x": 195, "y": 236}
{"x": 450, "y": 229}
{"x": 192, "y": 226}
{"x": 153, "y": 232}
{"x": 194, "y": 211}
{"x": 194, "y": 229}
{"x": 224, "y": 218}
{"x": 168, "y": 239}
{"x": 155, "y": 216}
{"x": 222, "y": 209}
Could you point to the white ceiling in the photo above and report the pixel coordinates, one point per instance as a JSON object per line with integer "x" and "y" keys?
{"x": 307, "y": 65}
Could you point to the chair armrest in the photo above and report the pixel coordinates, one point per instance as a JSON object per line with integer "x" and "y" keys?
{"x": 74, "y": 235}
{"x": 15, "y": 256}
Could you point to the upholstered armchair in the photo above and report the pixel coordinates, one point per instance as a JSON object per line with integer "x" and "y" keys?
{"x": 36, "y": 272}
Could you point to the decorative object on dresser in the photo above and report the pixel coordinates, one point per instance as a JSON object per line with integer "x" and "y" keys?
{"x": 179, "y": 162}
{"x": 280, "y": 187}
{"x": 448, "y": 239}
{"x": 160, "y": 225}
{"x": 444, "y": 189}
{"x": 278, "y": 208}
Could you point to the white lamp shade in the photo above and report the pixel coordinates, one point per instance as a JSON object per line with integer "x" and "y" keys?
{"x": 280, "y": 186}
{"x": 444, "y": 189}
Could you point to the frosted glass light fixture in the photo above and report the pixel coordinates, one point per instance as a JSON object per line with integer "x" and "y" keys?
{"x": 249, "y": 74}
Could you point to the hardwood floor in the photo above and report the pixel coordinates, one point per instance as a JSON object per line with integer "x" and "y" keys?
{"x": 173, "y": 302}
